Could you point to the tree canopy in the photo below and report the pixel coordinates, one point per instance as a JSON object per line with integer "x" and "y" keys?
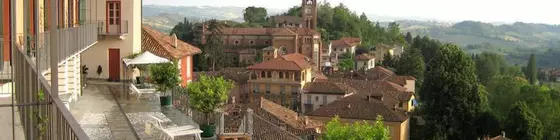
{"x": 411, "y": 63}
{"x": 450, "y": 95}
{"x": 337, "y": 130}
{"x": 522, "y": 123}
{"x": 255, "y": 14}
{"x": 208, "y": 93}
{"x": 531, "y": 71}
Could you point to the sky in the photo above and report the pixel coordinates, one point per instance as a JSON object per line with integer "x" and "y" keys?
{"x": 534, "y": 11}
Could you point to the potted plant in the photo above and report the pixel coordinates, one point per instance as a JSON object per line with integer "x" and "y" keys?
{"x": 166, "y": 77}
{"x": 206, "y": 95}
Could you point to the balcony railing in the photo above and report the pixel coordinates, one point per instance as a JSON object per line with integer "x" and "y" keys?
{"x": 72, "y": 41}
{"x": 42, "y": 113}
{"x": 116, "y": 28}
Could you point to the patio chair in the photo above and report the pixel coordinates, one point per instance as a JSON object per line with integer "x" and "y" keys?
{"x": 133, "y": 88}
{"x": 176, "y": 131}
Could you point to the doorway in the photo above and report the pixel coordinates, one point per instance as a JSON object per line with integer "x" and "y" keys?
{"x": 114, "y": 64}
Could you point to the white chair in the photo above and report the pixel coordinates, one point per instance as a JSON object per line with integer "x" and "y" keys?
{"x": 177, "y": 131}
{"x": 134, "y": 89}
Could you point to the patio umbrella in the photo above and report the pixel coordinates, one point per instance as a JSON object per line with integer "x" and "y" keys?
{"x": 145, "y": 58}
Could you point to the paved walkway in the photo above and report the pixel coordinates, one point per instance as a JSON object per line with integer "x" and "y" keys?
{"x": 102, "y": 119}
{"x": 6, "y": 131}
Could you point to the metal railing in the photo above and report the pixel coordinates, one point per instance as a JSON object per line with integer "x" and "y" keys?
{"x": 42, "y": 113}
{"x": 72, "y": 41}
{"x": 118, "y": 27}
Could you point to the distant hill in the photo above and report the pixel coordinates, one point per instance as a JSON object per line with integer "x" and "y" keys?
{"x": 164, "y": 18}
{"x": 515, "y": 40}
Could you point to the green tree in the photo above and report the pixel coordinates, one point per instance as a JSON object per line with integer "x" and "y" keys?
{"x": 522, "y": 123}
{"x": 215, "y": 44}
{"x": 408, "y": 38}
{"x": 450, "y": 95}
{"x": 388, "y": 60}
{"x": 346, "y": 64}
{"x": 254, "y": 14}
{"x": 489, "y": 65}
{"x": 504, "y": 90}
{"x": 189, "y": 32}
{"x": 166, "y": 76}
{"x": 208, "y": 94}
{"x": 411, "y": 63}
{"x": 336, "y": 130}
{"x": 532, "y": 70}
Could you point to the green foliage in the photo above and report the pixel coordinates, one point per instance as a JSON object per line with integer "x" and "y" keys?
{"x": 165, "y": 76}
{"x": 189, "y": 32}
{"x": 522, "y": 123}
{"x": 346, "y": 64}
{"x": 336, "y": 130}
{"x": 450, "y": 95}
{"x": 427, "y": 47}
{"x": 504, "y": 91}
{"x": 531, "y": 72}
{"x": 388, "y": 60}
{"x": 489, "y": 65}
{"x": 215, "y": 44}
{"x": 254, "y": 14}
{"x": 208, "y": 93}
{"x": 411, "y": 63}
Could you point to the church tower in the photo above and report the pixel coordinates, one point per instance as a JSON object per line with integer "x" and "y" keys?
{"x": 309, "y": 13}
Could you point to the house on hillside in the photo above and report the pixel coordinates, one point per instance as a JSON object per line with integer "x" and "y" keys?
{"x": 363, "y": 107}
{"x": 345, "y": 45}
{"x": 171, "y": 48}
{"x": 364, "y": 62}
{"x": 318, "y": 94}
{"x": 281, "y": 79}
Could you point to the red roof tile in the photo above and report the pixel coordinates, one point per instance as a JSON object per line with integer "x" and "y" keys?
{"x": 379, "y": 73}
{"x": 295, "y": 61}
{"x": 364, "y": 56}
{"x": 164, "y": 45}
{"x": 360, "y": 107}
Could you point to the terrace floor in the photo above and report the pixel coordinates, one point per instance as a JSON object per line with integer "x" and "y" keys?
{"x": 102, "y": 118}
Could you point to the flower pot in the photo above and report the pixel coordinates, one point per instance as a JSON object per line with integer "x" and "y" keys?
{"x": 208, "y": 130}
{"x": 165, "y": 100}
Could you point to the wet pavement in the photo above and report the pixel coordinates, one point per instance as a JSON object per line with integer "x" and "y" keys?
{"x": 101, "y": 118}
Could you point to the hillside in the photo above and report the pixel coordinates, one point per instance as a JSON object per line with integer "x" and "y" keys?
{"x": 516, "y": 41}
{"x": 164, "y": 18}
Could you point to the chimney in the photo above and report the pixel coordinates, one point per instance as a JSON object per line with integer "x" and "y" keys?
{"x": 174, "y": 36}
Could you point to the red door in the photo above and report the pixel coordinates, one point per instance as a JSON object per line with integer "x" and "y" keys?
{"x": 114, "y": 64}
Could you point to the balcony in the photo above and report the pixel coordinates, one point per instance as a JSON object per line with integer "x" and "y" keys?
{"x": 118, "y": 28}
{"x": 42, "y": 112}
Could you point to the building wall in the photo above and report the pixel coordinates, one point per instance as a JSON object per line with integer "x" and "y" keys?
{"x": 398, "y": 130}
{"x": 364, "y": 65}
{"x": 275, "y": 85}
{"x": 410, "y": 85}
{"x": 317, "y": 100}
{"x": 130, "y": 44}
{"x": 186, "y": 68}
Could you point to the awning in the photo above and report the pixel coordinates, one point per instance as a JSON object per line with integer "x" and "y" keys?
{"x": 145, "y": 58}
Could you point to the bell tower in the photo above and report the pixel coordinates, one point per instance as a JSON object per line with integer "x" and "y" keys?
{"x": 309, "y": 13}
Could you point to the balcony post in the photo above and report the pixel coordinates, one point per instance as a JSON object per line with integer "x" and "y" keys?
{"x": 54, "y": 64}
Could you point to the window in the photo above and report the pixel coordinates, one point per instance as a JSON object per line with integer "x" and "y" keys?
{"x": 267, "y": 86}
{"x": 324, "y": 99}
{"x": 297, "y": 25}
{"x": 295, "y": 90}
{"x": 256, "y": 88}
{"x": 263, "y": 74}
{"x": 287, "y": 75}
{"x": 308, "y": 99}
{"x": 401, "y": 104}
{"x": 266, "y": 42}
{"x": 317, "y": 98}
{"x": 280, "y": 75}
{"x": 268, "y": 74}
{"x": 282, "y": 89}
{"x": 334, "y": 49}
{"x": 252, "y": 42}
{"x": 236, "y": 42}
{"x": 267, "y": 53}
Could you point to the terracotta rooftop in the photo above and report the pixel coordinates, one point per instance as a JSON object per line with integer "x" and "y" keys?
{"x": 287, "y": 115}
{"x": 364, "y": 56}
{"x": 499, "y": 138}
{"x": 269, "y": 31}
{"x": 401, "y": 80}
{"x": 377, "y": 87}
{"x": 295, "y": 62}
{"x": 346, "y": 42}
{"x": 328, "y": 87}
{"x": 379, "y": 73}
{"x": 164, "y": 46}
{"x": 360, "y": 107}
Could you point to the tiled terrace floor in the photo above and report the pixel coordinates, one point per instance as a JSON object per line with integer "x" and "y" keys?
{"x": 102, "y": 119}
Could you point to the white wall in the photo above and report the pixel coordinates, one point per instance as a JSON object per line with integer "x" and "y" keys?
{"x": 99, "y": 53}
{"x": 318, "y": 103}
